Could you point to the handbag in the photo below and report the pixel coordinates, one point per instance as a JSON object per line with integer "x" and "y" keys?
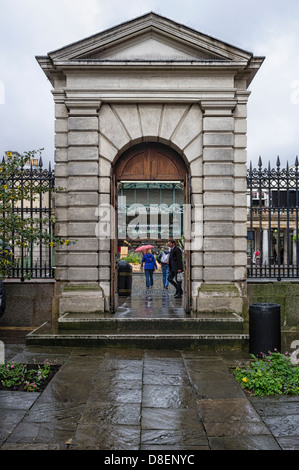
{"x": 180, "y": 277}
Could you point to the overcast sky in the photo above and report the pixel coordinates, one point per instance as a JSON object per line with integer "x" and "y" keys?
{"x": 265, "y": 27}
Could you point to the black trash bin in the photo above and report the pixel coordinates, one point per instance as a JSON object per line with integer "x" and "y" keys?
{"x": 264, "y": 328}
{"x": 124, "y": 278}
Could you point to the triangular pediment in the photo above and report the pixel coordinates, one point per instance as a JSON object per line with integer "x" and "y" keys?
{"x": 154, "y": 41}
{"x": 151, "y": 47}
{"x": 150, "y": 37}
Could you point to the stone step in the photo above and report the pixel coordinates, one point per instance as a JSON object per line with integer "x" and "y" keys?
{"x": 222, "y": 322}
{"x": 45, "y": 336}
{"x": 222, "y": 331}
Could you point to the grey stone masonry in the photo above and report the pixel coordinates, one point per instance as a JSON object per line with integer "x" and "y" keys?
{"x": 152, "y": 80}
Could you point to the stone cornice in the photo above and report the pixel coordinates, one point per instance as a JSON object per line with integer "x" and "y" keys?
{"x": 153, "y": 96}
{"x": 238, "y": 68}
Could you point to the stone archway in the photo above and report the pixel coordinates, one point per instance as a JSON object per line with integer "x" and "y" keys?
{"x": 151, "y": 80}
{"x": 160, "y": 165}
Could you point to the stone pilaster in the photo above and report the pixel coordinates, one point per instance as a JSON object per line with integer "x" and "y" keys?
{"x": 240, "y": 184}
{"x": 61, "y": 173}
{"x": 82, "y": 292}
{"x": 222, "y": 211}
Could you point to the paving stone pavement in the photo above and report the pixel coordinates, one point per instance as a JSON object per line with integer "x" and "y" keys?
{"x": 123, "y": 400}
{"x": 150, "y": 400}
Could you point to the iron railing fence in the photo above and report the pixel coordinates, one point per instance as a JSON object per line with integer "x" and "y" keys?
{"x": 272, "y": 236}
{"x": 36, "y": 261}
{"x": 272, "y": 222}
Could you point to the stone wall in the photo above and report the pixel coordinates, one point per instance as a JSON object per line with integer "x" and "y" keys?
{"x": 31, "y": 303}
{"x": 28, "y": 303}
{"x": 285, "y": 293}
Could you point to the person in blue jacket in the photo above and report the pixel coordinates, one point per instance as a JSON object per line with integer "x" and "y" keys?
{"x": 150, "y": 265}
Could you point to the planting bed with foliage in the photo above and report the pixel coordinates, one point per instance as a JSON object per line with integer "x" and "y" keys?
{"x": 26, "y": 377}
{"x": 274, "y": 374}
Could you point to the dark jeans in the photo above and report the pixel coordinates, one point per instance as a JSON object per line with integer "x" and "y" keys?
{"x": 173, "y": 280}
{"x": 149, "y": 277}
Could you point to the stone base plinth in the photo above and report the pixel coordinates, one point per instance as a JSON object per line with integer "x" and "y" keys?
{"x": 80, "y": 298}
{"x": 220, "y": 298}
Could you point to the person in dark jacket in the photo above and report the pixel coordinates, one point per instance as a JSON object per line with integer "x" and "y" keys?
{"x": 175, "y": 267}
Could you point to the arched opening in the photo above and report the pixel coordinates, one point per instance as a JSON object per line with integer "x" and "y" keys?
{"x": 150, "y": 162}
{"x": 150, "y": 191}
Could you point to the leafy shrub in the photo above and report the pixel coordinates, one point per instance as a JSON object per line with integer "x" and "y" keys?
{"x": 16, "y": 376}
{"x": 270, "y": 375}
{"x": 133, "y": 258}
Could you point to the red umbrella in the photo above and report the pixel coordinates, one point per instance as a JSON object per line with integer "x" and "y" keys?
{"x": 144, "y": 248}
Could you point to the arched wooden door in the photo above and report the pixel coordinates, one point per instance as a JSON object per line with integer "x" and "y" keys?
{"x": 149, "y": 162}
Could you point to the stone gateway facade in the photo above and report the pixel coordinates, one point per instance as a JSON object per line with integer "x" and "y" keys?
{"x": 151, "y": 100}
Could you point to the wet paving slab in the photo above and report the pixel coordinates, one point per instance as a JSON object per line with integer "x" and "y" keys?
{"x": 144, "y": 400}
{"x": 281, "y": 415}
{"x": 136, "y": 399}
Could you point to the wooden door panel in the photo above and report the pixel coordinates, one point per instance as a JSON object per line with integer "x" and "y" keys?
{"x": 134, "y": 167}
{"x": 148, "y": 162}
{"x": 166, "y": 168}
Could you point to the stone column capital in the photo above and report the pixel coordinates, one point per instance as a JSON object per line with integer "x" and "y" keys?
{"x": 82, "y": 108}
{"x": 217, "y": 108}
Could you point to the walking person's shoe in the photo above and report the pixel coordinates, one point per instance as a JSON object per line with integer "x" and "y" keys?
{"x": 179, "y": 293}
